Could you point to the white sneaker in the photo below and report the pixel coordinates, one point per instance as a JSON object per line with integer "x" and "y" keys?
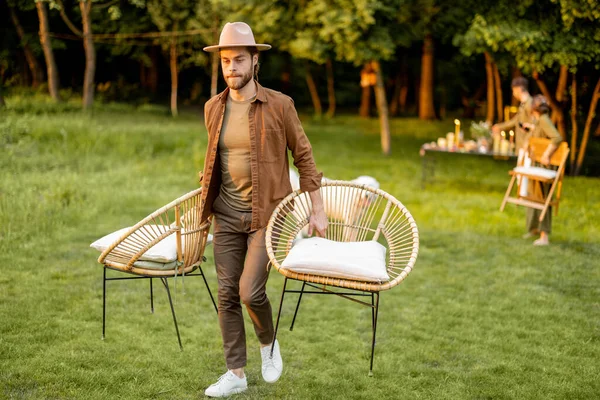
{"x": 227, "y": 385}
{"x": 271, "y": 366}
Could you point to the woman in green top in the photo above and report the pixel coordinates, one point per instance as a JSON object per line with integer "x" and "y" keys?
{"x": 542, "y": 127}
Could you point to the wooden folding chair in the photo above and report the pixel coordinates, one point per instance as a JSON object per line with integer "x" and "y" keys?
{"x": 356, "y": 213}
{"x": 539, "y": 175}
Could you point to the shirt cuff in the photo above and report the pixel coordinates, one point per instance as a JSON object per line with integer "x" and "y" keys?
{"x": 311, "y": 183}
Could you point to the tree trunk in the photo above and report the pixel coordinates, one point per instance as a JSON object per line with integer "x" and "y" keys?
{"x": 403, "y": 95}
{"x": 2, "y": 102}
{"x": 573, "y": 152}
{"x": 365, "y": 97}
{"x": 382, "y": 108}
{"x": 90, "y": 55}
{"x": 143, "y": 75}
{"x": 556, "y": 108}
{"x": 365, "y": 102}
{"x": 398, "y": 101}
{"x": 34, "y": 66}
{"x": 426, "y": 109}
{"x": 498, "y": 85}
{"x": 395, "y": 100}
{"x": 489, "y": 74}
{"x": 52, "y": 71}
{"x": 174, "y": 73}
{"x": 561, "y": 89}
{"x": 286, "y": 74}
{"x": 588, "y": 127}
{"x": 314, "y": 94}
{"x": 153, "y": 74}
{"x": 330, "y": 89}
{"x": 442, "y": 113}
{"x": 470, "y": 104}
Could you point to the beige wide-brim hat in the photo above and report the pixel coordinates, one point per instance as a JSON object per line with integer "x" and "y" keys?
{"x": 237, "y": 34}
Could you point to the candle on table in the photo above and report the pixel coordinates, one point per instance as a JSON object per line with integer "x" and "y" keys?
{"x": 512, "y": 140}
{"x": 496, "y": 144}
{"x": 504, "y": 146}
{"x": 456, "y": 131}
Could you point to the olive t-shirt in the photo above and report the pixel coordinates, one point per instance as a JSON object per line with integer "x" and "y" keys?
{"x": 234, "y": 150}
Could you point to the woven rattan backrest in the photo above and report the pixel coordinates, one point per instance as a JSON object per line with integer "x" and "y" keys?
{"x": 181, "y": 218}
{"x": 355, "y": 213}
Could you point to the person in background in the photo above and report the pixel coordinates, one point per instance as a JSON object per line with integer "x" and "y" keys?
{"x": 542, "y": 127}
{"x": 520, "y": 91}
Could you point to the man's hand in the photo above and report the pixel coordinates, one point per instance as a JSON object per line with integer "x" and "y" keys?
{"x": 528, "y": 126}
{"x": 545, "y": 159}
{"x": 317, "y": 222}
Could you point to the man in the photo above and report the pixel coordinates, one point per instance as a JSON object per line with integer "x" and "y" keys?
{"x": 520, "y": 91}
{"x": 246, "y": 174}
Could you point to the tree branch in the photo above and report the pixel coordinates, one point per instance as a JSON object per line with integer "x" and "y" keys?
{"x": 65, "y": 18}
{"x": 588, "y": 126}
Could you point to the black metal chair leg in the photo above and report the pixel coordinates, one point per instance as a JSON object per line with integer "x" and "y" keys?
{"x": 373, "y": 310}
{"x": 151, "y": 298}
{"x": 166, "y": 284}
{"x": 279, "y": 314}
{"x": 374, "y": 333}
{"x": 297, "y": 306}
{"x": 208, "y": 288}
{"x": 103, "y": 303}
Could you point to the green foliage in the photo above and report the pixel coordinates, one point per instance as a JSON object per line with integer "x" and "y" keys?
{"x": 573, "y": 10}
{"x": 175, "y": 15}
{"x": 356, "y": 31}
{"x": 345, "y": 30}
{"x": 535, "y": 36}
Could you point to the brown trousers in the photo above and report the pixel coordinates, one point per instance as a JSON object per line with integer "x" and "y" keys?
{"x": 241, "y": 261}
{"x": 533, "y": 216}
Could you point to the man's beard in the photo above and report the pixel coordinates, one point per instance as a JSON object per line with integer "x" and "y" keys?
{"x": 240, "y": 81}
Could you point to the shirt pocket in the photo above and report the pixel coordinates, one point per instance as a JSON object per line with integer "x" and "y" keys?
{"x": 272, "y": 145}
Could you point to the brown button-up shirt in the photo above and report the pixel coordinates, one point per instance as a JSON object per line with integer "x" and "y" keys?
{"x": 274, "y": 128}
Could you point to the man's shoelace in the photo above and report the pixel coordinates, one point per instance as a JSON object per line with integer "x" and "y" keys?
{"x": 267, "y": 359}
{"x": 223, "y": 377}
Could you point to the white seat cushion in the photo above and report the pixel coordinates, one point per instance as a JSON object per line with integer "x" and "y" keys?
{"x": 361, "y": 261}
{"x": 164, "y": 252}
{"x": 536, "y": 171}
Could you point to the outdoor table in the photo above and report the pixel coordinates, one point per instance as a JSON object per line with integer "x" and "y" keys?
{"x": 428, "y": 159}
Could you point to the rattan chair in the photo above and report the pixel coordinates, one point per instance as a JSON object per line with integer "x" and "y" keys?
{"x": 179, "y": 223}
{"x": 355, "y": 213}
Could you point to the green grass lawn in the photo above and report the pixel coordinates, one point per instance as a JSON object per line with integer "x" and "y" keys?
{"x": 484, "y": 314}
